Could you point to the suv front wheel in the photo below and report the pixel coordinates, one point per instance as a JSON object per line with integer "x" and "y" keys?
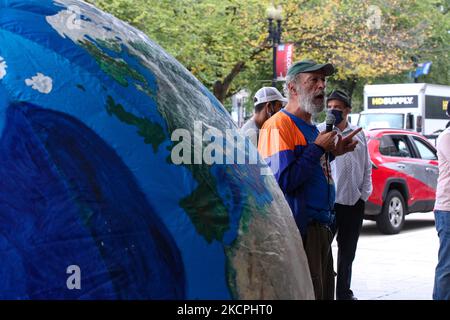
{"x": 392, "y": 217}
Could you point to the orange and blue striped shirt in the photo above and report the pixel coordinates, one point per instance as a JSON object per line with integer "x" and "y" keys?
{"x": 286, "y": 142}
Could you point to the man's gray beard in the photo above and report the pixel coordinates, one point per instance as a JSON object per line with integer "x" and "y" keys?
{"x": 306, "y": 102}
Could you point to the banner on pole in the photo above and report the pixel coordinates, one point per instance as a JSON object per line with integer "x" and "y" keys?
{"x": 284, "y": 59}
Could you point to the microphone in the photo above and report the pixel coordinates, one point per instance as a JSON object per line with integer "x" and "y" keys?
{"x": 329, "y": 121}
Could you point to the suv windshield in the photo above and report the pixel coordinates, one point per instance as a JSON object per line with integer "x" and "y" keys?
{"x": 381, "y": 120}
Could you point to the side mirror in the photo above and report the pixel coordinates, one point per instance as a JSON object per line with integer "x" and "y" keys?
{"x": 419, "y": 124}
{"x": 409, "y": 121}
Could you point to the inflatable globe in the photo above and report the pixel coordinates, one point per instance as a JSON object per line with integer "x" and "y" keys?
{"x": 93, "y": 204}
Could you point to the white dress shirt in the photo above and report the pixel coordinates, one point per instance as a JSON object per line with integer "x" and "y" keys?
{"x": 352, "y": 172}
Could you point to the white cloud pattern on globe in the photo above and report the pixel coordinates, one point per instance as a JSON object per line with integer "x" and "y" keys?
{"x": 41, "y": 83}
{"x": 3, "y": 67}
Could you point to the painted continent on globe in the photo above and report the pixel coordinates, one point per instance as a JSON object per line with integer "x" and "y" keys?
{"x": 88, "y": 106}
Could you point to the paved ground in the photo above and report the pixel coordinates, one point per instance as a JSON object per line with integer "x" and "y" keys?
{"x": 396, "y": 267}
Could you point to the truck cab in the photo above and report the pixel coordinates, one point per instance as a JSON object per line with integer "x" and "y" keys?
{"x": 413, "y": 106}
{"x": 353, "y": 118}
{"x": 392, "y": 119}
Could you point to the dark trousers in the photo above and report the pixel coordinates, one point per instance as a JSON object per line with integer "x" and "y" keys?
{"x": 320, "y": 260}
{"x": 349, "y": 221}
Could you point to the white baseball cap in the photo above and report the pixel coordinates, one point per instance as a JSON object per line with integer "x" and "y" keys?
{"x": 267, "y": 94}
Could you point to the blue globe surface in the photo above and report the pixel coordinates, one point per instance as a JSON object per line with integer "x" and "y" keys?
{"x": 88, "y": 106}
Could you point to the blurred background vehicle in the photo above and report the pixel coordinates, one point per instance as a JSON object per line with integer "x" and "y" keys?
{"x": 415, "y": 106}
{"x": 404, "y": 177}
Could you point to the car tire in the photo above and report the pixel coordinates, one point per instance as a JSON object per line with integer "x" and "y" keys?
{"x": 392, "y": 216}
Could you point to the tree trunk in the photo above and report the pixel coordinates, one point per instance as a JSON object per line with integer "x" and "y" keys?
{"x": 221, "y": 88}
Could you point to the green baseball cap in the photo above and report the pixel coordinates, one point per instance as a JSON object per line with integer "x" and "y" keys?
{"x": 340, "y": 95}
{"x": 306, "y": 66}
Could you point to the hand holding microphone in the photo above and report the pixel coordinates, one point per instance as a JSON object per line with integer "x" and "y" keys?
{"x": 326, "y": 139}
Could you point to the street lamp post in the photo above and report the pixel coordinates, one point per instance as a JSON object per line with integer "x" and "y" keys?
{"x": 274, "y": 16}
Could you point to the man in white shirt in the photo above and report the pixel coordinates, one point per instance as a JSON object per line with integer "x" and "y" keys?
{"x": 441, "y": 290}
{"x": 268, "y": 101}
{"x": 352, "y": 174}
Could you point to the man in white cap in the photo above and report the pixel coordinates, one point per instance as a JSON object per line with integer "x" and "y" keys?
{"x": 268, "y": 101}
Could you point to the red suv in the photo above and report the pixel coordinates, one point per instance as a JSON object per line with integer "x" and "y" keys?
{"x": 404, "y": 177}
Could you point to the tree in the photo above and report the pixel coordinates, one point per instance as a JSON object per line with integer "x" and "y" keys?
{"x": 432, "y": 24}
{"x": 216, "y": 40}
{"x": 224, "y": 42}
{"x": 364, "y": 40}
{"x": 435, "y": 47}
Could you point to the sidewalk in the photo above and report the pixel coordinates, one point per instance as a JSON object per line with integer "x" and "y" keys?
{"x": 396, "y": 267}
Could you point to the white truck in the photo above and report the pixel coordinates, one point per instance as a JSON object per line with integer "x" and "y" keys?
{"x": 415, "y": 106}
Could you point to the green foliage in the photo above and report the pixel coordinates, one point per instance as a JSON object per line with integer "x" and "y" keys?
{"x": 209, "y": 37}
{"x": 434, "y": 46}
{"x": 224, "y": 42}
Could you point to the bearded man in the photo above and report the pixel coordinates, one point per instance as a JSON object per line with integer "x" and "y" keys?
{"x": 299, "y": 158}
